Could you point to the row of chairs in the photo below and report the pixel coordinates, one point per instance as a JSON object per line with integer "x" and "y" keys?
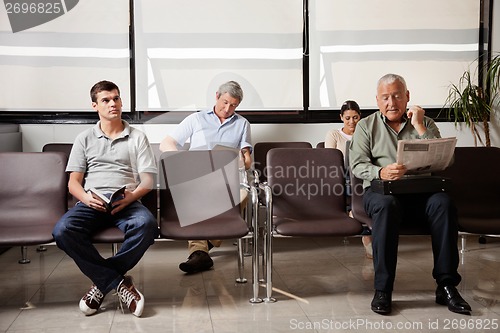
{"x": 302, "y": 194}
{"x": 34, "y": 195}
{"x": 474, "y": 186}
{"x": 308, "y": 197}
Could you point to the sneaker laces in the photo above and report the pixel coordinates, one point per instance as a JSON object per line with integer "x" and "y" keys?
{"x": 94, "y": 294}
{"x": 126, "y": 296}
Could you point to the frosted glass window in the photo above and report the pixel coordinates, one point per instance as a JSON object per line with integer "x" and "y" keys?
{"x": 186, "y": 49}
{"x": 354, "y": 42}
{"x": 51, "y": 67}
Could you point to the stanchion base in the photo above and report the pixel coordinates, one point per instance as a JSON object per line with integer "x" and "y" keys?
{"x": 255, "y": 300}
{"x": 270, "y": 300}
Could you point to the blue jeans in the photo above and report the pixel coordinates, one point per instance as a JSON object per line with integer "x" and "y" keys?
{"x": 73, "y": 231}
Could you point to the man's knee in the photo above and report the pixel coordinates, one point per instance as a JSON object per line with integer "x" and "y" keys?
{"x": 150, "y": 226}
{"x": 442, "y": 198}
{"x": 375, "y": 202}
{"x": 58, "y": 231}
{"x": 61, "y": 227}
{"x": 441, "y": 202}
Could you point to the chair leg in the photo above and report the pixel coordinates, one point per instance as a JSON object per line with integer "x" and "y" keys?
{"x": 268, "y": 258}
{"x": 41, "y": 248}
{"x": 24, "y": 255}
{"x": 241, "y": 262}
{"x": 246, "y": 247}
{"x": 114, "y": 248}
{"x": 463, "y": 238}
{"x": 482, "y": 239}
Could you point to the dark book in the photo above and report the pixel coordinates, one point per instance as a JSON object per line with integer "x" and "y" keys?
{"x": 108, "y": 202}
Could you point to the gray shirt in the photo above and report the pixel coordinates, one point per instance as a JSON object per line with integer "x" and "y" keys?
{"x": 108, "y": 164}
{"x": 374, "y": 144}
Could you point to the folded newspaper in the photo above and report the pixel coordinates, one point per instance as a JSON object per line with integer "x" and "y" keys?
{"x": 426, "y": 155}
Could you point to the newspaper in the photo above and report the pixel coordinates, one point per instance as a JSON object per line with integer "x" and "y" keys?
{"x": 426, "y": 155}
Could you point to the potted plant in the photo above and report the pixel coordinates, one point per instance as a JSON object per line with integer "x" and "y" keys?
{"x": 472, "y": 103}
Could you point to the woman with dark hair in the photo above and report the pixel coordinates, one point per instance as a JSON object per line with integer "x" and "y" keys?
{"x": 350, "y": 114}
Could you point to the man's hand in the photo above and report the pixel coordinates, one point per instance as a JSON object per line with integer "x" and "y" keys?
{"x": 416, "y": 115}
{"x": 118, "y": 205}
{"x": 393, "y": 171}
{"x": 90, "y": 201}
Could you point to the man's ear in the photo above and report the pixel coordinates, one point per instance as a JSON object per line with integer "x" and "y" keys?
{"x": 217, "y": 95}
{"x": 94, "y": 106}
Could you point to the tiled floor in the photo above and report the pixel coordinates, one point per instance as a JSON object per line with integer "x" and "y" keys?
{"x": 322, "y": 285}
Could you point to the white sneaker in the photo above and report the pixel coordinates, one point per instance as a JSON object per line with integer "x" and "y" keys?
{"x": 129, "y": 295}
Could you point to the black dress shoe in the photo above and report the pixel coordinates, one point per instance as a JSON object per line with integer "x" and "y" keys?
{"x": 382, "y": 302}
{"x": 198, "y": 261}
{"x": 449, "y": 295}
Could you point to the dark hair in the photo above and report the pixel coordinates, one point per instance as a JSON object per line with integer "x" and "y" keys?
{"x": 350, "y": 105}
{"x": 102, "y": 86}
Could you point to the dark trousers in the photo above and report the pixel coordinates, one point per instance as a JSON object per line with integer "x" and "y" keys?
{"x": 434, "y": 212}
